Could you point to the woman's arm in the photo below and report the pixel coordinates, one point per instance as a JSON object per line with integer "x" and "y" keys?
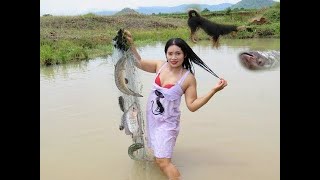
{"x": 146, "y": 65}
{"x": 192, "y": 100}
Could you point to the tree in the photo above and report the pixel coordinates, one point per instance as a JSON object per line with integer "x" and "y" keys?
{"x": 206, "y": 10}
{"x": 228, "y": 11}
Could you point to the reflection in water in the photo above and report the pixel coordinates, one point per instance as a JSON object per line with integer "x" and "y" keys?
{"x": 238, "y": 131}
{"x": 259, "y": 44}
{"x": 146, "y": 171}
{"x": 64, "y": 70}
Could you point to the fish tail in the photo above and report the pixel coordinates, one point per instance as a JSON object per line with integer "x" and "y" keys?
{"x": 132, "y": 148}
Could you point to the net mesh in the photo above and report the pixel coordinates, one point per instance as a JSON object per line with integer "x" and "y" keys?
{"x": 133, "y": 82}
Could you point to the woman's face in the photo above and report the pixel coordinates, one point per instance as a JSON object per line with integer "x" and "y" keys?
{"x": 175, "y": 56}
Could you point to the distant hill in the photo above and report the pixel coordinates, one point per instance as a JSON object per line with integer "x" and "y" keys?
{"x": 182, "y": 8}
{"x": 126, "y": 11}
{"x": 253, "y": 4}
{"x": 246, "y": 4}
{"x": 174, "y": 9}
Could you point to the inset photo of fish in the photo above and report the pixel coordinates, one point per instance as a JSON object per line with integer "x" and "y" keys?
{"x": 260, "y": 60}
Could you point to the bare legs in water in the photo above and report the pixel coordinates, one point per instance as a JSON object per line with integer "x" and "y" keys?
{"x": 168, "y": 168}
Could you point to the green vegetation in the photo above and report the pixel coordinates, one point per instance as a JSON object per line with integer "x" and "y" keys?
{"x": 253, "y": 4}
{"x": 74, "y": 38}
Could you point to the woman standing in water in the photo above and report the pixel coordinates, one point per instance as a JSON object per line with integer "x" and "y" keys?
{"x": 174, "y": 77}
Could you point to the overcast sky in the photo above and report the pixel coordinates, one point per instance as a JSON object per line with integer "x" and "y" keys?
{"x": 75, "y": 7}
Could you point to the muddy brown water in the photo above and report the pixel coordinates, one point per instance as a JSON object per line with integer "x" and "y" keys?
{"x": 235, "y": 136}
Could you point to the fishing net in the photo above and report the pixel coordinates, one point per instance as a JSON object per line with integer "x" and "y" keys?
{"x": 128, "y": 82}
{"x": 273, "y": 57}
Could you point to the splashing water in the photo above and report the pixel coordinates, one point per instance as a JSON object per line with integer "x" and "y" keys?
{"x": 273, "y": 57}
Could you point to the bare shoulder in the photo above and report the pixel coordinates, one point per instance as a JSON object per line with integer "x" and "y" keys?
{"x": 151, "y": 66}
{"x": 159, "y": 63}
{"x": 189, "y": 81}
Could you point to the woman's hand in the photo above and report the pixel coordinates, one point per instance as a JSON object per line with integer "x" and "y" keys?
{"x": 128, "y": 37}
{"x": 220, "y": 85}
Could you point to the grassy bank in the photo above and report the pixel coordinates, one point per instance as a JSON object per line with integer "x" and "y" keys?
{"x": 75, "y": 38}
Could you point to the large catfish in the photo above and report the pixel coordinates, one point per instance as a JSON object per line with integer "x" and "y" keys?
{"x": 119, "y": 73}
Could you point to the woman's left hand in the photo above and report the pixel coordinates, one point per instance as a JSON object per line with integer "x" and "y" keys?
{"x": 220, "y": 85}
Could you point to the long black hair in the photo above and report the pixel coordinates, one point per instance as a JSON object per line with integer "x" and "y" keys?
{"x": 190, "y": 56}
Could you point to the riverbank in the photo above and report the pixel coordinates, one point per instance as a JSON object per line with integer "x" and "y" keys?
{"x": 74, "y": 38}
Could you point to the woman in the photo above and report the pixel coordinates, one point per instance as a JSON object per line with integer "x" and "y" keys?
{"x": 174, "y": 78}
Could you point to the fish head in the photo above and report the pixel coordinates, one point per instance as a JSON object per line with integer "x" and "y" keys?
{"x": 133, "y": 110}
{"x": 253, "y": 60}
